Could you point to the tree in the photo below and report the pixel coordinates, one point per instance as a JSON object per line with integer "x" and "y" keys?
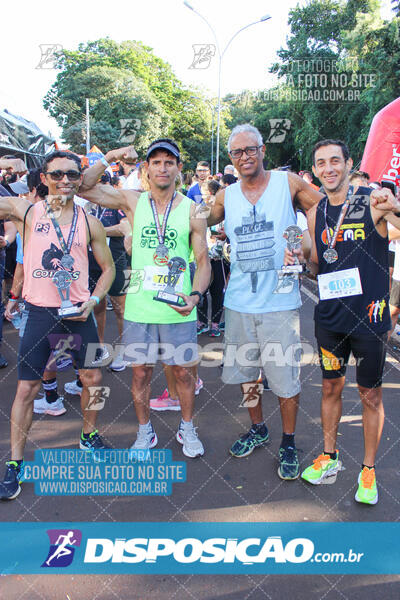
{"x": 127, "y": 81}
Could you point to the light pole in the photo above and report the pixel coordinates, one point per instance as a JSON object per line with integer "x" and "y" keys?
{"x": 220, "y": 57}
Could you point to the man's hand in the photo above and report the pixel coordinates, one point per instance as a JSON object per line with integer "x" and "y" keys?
{"x": 384, "y": 200}
{"x": 291, "y": 255}
{"x": 128, "y": 154}
{"x": 87, "y": 308}
{"x": 186, "y": 309}
{"x": 13, "y": 165}
{"x": 12, "y": 308}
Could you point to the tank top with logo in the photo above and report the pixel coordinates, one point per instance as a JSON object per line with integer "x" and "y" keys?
{"x": 358, "y": 245}
{"x": 42, "y": 256}
{"x": 257, "y": 284}
{"x": 147, "y": 278}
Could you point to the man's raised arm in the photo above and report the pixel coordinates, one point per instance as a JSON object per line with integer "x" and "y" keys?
{"x": 303, "y": 192}
{"x": 12, "y": 207}
{"x": 217, "y": 210}
{"x": 106, "y": 195}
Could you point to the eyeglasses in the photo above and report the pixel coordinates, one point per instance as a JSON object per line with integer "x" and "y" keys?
{"x": 250, "y": 151}
{"x": 59, "y": 175}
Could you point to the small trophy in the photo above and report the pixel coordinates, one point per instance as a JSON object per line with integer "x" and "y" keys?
{"x": 294, "y": 236}
{"x": 176, "y": 266}
{"x": 62, "y": 280}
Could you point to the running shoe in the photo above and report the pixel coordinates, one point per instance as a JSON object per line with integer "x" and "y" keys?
{"x": 198, "y": 387}
{"x": 118, "y": 364}
{"x": 367, "y": 492}
{"x": 109, "y": 305}
{"x": 54, "y": 409}
{"x": 254, "y": 438}
{"x": 289, "y": 467}
{"x": 71, "y": 387}
{"x": 92, "y": 442}
{"x": 323, "y": 466}
{"x": 214, "y": 330}
{"x": 3, "y": 362}
{"x": 187, "y": 436}
{"x": 222, "y": 326}
{"x": 10, "y": 486}
{"x": 164, "y": 402}
{"x": 202, "y": 328}
{"x": 145, "y": 439}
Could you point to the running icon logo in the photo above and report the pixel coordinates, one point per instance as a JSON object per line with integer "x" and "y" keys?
{"x": 375, "y": 310}
{"x": 203, "y": 53}
{"x": 62, "y": 547}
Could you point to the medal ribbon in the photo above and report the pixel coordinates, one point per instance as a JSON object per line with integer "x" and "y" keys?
{"x": 332, "y": 239}
{"x": 66, "y": 248}
{"x": 161, "y": 230}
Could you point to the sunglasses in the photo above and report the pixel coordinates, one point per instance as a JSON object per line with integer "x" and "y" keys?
{"x": 250, "y": 151}
{"x": 59, "y": 175}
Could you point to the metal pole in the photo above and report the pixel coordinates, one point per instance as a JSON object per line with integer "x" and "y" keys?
{"x": 219, "y": 113}
{"x": 87, "y": 127}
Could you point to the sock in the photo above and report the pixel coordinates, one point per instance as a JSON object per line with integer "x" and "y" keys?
{"x": 146, "y": 427}
{"x": 332, "y": 455}
{"x": 259, "y": 426}
{"x": 187, "y": 422}
{"x": 50, "y": 389}
{"x": 368, "y": 467}
{"x": 78, "y": 379}
{"x": 19, "y": 462}
{"x": 287, "y": 440}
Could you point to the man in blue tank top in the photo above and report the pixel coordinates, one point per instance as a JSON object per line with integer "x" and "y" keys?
{"x": 349, "y": 252}
{"x": 261, "y": 303}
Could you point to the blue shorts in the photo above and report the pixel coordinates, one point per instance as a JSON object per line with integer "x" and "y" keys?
{"x": 46, "y": 332}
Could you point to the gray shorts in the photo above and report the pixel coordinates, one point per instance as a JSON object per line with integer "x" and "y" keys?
{"x": 173, "y": 344}
{"x": 268, "y": 340}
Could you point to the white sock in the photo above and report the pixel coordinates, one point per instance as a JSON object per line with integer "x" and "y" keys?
{"x": 187, "y": 422}
{"x": 145, "y": 427}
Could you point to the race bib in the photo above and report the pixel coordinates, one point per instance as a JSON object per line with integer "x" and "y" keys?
{"x": 339, "y": 284}
{"x": 156, "y": 278}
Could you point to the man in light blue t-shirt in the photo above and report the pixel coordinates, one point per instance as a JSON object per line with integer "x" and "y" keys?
{"x": 262, "y": 327}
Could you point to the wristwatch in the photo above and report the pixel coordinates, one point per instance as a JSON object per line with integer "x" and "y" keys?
{"x": 195, "y": 293}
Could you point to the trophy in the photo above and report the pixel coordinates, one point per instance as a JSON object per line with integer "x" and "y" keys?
{"x": 294, "y": 236}
{"x": 176, "y": 266}
{"x": 62, "y": 280}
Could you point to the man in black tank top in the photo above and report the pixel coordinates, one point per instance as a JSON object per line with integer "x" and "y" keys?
{"x": 349, "y": 253}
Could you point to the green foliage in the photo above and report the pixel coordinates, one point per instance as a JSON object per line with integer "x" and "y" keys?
{"x": 126, "y": 81}
{"x": 349, "y": 35}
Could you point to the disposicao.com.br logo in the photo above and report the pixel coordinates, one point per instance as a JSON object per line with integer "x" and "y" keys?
{"x": 210, "y": 551}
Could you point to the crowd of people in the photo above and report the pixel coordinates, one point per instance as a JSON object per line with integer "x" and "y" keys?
{"x": 179, "y": 256}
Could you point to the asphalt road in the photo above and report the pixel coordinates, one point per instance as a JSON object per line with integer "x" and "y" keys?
{"x": 218, "y": 487}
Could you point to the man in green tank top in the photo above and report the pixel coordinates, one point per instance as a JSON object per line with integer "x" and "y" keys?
{"x": 165, "y": 228}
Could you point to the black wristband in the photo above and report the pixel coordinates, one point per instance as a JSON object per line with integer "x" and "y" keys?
{"x": 195, "y": 293}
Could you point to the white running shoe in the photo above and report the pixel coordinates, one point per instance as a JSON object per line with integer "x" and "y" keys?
{"x": 54, "y": 409}
{"x": 71, "y": 387}
{"x": 118, "y": 364}
{"x": 187, "y": 436}
{"x": 145, "y": 439}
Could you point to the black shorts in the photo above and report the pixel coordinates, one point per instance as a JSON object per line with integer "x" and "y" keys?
{"x": 120, "y": 284}
{"x": 369, "y": 352}
{"x": 394, "y": 299}
{"x": 45, "y": 332}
